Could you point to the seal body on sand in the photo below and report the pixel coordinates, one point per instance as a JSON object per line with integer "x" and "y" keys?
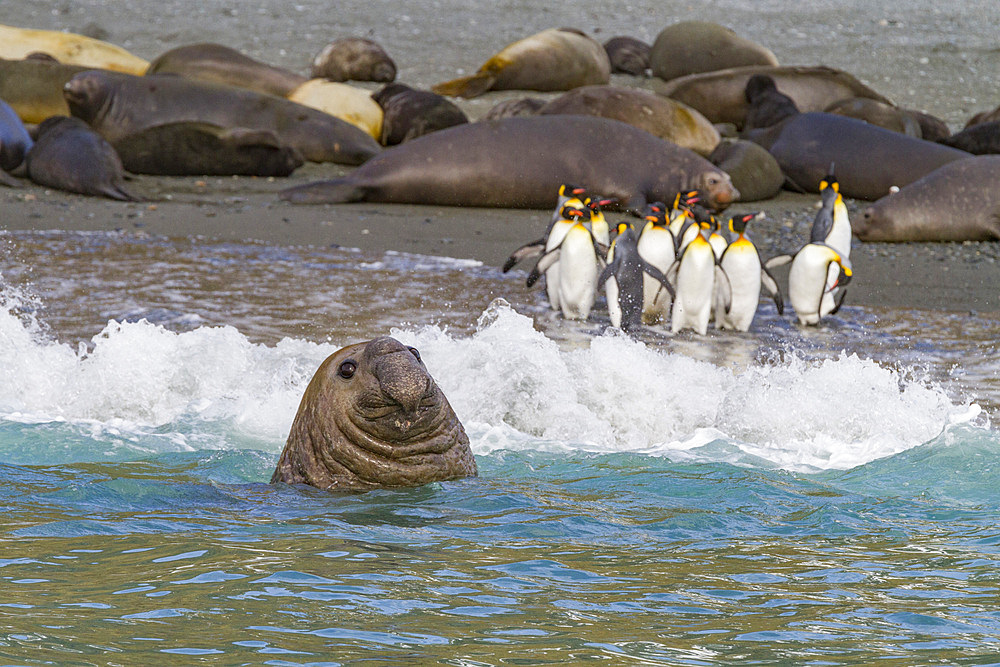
{"x": 68, "y": 48}
{"x": 68, "y": 155}
{"x": 983, "y": 117}
{"x": 869, "y": 159}
{"x": 525, "y": 106}
{"x": 981, "y": 139}
{"x": 690, "y": 47}
{"x": 658, "y": 115}
{"x": 202, "y": 149}
{"x": 411, "y": 113}
{"x": 932, "y": 128}
{"x": 34, "y": 87}
{"x": 555, "y": 59}
{"x": 348, "y": 103}
{"x": 216, "y": 63}
{"x": 628, "y": 55}
{"x": 521, "y": 162}
{"x": 720, "y": 95}
{"x": 373, "y": 417}
{"x": 878, "y": 113}
{"x": 354, "y": 59}
{"x": 755, "y": 172}
{"x": 118, "y": 105}
{"x": 14, "y": 143}
{"x": 959, "y": 201}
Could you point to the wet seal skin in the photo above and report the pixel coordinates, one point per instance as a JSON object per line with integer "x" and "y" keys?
{"x": 373, "y": 417}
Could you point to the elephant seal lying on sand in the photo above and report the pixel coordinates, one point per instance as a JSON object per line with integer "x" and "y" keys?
{"x": 372, "y": 417}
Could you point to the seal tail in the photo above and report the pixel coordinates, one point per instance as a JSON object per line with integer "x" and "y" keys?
{"x": 467, "y": 86}
{"x": 336, "y": 191}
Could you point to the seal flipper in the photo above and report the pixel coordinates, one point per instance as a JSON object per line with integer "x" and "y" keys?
{"x": 8, "y": 180}
{"x": 335, "y": 191}
{"x": 467, "y": 86}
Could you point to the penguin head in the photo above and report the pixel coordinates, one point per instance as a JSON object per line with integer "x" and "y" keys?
{"x": 622, "y": 227}
{"x": 704, "y": 217}
{"x": 569, "y": 190}
{"x": 655, "y": 213}
{"x": 829, "y": 181}
{"x": 574, "y": 209}
{"x": 738, "y": 223}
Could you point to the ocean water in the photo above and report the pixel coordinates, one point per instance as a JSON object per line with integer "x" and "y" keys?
{"x": 822, "y": 496}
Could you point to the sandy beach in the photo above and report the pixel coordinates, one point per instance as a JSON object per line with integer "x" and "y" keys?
{"x": 940, "y": 60}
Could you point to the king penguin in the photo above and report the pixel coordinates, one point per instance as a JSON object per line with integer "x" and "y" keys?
{"x": 579, "y": 254}
{"x": 697, "y": 277}
{"x": 535, "y": 248}
{"x": 657, "y": 247}
{"x": 741, "y": 262}
{"x": 832, "y": 226}
{"x": 807, "y": 280}
{"x": 623, "y": 279}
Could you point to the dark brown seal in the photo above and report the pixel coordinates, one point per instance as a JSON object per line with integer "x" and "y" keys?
{"x": 15, "y": 142}
{"x": 409, "y": 113}
{"x": 373, "y": 417}
{"x": 766, "y": 105}
{"x": 523, "y": 106}
{"x": 980, "y": 139}
{"x": 628, "y": 55}
{"x": 216, "y": 63}
{"x": 690, "y": 47}
{"x": 521, "y": 162}
{"x": 720, "y": 95}
{"x": 68, "y": 155}
{"x": 957, "y": 202}
{"x": 878, "y": 113}
{"x": 120, "y": 105}
{"x": 354, "y": 59}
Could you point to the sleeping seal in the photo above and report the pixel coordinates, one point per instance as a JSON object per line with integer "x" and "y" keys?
{"x": 372, "y": 417}
{"x": 216, "y": 63}
{"x": 519, "y": 162}
{"x": 957, "y": 202}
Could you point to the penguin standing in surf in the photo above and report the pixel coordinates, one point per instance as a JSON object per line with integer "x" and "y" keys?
{"x": 832, "y": 226}
{"x": 567, "y": 193}
{"x": 576, "y": 258}
{"x": 741, "y": 263}
{"x": 623, "y": 279}
{"x": 698, "y": 282}
{"x": 808, "y": 283}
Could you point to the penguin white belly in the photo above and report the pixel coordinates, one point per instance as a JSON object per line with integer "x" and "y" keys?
{"x": 695, "y": 288}
{"x": 807, "y": 283}
{"x": 556, "y": 235}
{"x": 614, "y": 307}
{"x": 656, "y": 246}
{"x": 829, "y": 297}
{"x": 577, "y": 275}
{"x": 743, "y": 268}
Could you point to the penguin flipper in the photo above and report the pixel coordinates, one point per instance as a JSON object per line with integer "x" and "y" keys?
{"x": 723, "y": 288}
{"x": 606, "y": 273}
{"x": 771, "y": 284}
{"x": 544, "y": 264}
{"x": 533, "y": 249}
{"x": 658, "y": 276}
{"x": 840, "y": 302}
{"x": 777, "y": 260}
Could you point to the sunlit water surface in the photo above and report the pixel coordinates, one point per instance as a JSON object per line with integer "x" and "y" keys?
{"x": 786, "y": 496}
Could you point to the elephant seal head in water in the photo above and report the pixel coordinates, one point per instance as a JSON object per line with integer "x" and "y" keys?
{"x": 373, "y": 417}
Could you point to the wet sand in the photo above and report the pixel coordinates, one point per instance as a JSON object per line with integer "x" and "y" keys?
{"x": 942, "y": 60}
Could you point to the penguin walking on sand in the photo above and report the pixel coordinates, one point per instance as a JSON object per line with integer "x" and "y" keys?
{"x": 698, "y": 282}
{"x": 742, "y": 265}
{"x": 808, "y": 280}
{"x": 624, "y": 279}
{"x": 657, "y": 247}
{"x": 567, "y": 193}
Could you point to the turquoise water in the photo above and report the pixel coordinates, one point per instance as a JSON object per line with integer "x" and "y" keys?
{"x": 785, "y": 496}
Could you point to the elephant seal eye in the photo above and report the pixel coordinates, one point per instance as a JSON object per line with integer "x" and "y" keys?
{"x": 415, "y": 352}
{"x": 347, "y": 369}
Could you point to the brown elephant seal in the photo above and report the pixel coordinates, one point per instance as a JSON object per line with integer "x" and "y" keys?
{"x": 878, "y": 113}
{"x": 354, "y": 59}
{"x": 68, "y": 155}
{"x": 68, "y": 48}
{"x": 720, "y": 95}
{"x": 521, "y": 162}
{"x": 869, "y": 159}
{"x": 691, "y": 47}
{"x": 660, "y": 116}
{"x": 766, "y": 105}
{"x": 981, "y": 139}
{"x": 628, "y": 55}
{"x": 524, "y": 106}
{"x": 755, "y": 172}
{"x": 410, "y": 113}
{"x": 983, "y": 117}
{"x": 119, "y": 105}
{"x": 555, "y": 59}
{"x": 34, "y": 87}
{"x": 373, "y": 417}
{"x": 932, "y": 128}
{"x": 202, "y": 149}
{"x": 216, "y": 63}
{"x": 956, "y": 202}
{"x": 15, "y": 142}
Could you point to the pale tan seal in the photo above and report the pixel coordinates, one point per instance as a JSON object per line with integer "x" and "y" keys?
{"x": 555, "y": 59}
{"x": 68, "y": 48}
{"x": 373, "y": 417}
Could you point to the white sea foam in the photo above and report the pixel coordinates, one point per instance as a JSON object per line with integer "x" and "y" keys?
{"x": 511, "y": 385}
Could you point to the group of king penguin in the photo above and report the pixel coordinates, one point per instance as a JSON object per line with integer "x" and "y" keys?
{"x": 676, "y": 264}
